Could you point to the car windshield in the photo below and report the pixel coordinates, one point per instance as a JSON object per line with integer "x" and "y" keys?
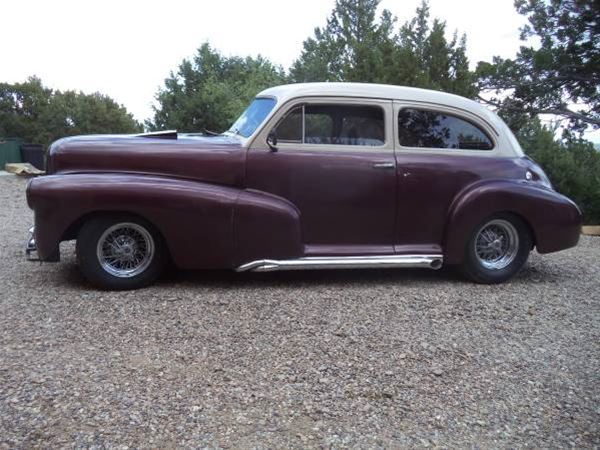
{"x": 254, "y": 115}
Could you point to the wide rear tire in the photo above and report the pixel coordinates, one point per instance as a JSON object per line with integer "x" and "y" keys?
{"x": 498, "y": 248}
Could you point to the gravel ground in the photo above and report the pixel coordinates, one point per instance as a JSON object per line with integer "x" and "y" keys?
{"x": 367, "y": 359}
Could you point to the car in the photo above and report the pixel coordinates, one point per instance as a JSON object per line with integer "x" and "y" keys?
{"x": 310, "y": 176}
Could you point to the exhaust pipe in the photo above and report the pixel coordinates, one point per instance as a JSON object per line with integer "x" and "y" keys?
{"x": 345, "y": 262}
{"x": 436, "y": 264}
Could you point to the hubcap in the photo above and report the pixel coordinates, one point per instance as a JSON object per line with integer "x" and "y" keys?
{"x": 125, "y": 250}
{"x": 497, "y": 244}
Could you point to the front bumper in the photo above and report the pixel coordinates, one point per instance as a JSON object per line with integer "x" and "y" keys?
{"x": 30, "y": 247}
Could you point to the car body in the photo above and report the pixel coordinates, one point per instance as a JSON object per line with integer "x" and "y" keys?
{"x": 315, "y": 175}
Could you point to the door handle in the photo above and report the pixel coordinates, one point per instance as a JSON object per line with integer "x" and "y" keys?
{"x": 384, "y": 165}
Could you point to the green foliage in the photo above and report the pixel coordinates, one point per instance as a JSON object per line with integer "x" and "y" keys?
{"x": 356, "y": 46}
{"x": 41, "y": 115}
{"x": 210, "y": 91}
{"x": 573, "y": 166}
{"x": 561, "y": 76}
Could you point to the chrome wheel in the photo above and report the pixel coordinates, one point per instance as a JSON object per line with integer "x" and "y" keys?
{"x": 497, "y": 244}
{"x": 125, "y": 250}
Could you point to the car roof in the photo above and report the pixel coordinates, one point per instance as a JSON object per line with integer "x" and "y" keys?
{"x": 287, "y": 92}
{"x": 369, "y": 90}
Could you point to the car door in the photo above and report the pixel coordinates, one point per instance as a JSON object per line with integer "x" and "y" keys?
{"x": 439, "y": 152}
{"x": 334, "y": 160}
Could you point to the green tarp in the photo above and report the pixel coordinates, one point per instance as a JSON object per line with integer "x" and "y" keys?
{"x": 10, "y": 151}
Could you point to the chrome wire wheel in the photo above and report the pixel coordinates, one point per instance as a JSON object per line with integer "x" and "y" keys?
{"x": 496, "y": 244}
{"x": 125, "y": 250}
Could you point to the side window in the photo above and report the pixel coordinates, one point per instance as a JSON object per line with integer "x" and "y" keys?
{"x": 318, "y": 124}
{"x": 290, "y": 128}
{"x": 333, "y": 125}
{"x": 431, "y": 129}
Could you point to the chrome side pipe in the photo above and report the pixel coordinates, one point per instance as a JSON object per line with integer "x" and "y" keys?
{"x": 345, "y": 262}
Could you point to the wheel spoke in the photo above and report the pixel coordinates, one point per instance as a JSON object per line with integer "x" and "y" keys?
{"x": 496, "y": 244}
{"x": 125, "y": 249}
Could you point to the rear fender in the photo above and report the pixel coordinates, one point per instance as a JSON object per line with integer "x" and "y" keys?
{"x": 554, "y": 220}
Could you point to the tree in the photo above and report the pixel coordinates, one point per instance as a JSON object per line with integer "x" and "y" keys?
{"x": 349, "y": 48}
{"x": 573, "y": 165}
{"x": 561, "y": 76}
{"x": 41, "y": 115}
{"x": 356, "y": 46}
{"x": 430, "y": 61}
{"x": 210, "y": 91}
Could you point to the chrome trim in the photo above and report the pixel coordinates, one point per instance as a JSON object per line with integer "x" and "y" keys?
{"x": 125, "y": 250}
{"x": 384, "y": 165}
{"x": 344, "y": 262}
{"x": 496, "y": 244}
{"x": 31, "y": 247}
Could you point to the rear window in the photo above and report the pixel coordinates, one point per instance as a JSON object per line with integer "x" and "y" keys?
{"x": 432, "y": 129}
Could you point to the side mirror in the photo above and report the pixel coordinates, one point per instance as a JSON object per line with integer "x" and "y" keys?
{"x": 272, "y": 141}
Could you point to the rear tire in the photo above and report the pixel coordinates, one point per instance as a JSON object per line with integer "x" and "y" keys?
{"x": 498, "y": 248}
{"x": 120, "y": 252}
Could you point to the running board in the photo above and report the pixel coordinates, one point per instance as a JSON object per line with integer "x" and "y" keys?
{"x": 345, "y": 262}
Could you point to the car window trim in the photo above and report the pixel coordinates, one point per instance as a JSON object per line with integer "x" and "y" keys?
{"x": 303, "y": 135}
{"x": 386, "y": 105}
{"x": 476, "y": 120}
{"x": 468, "y": 121}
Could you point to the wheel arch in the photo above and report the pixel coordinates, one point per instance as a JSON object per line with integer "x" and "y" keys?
{"x": 551, "y": 218}
{"x": 72, "y": 230}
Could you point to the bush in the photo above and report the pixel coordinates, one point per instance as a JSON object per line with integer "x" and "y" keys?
{"x": 573, "y": 166}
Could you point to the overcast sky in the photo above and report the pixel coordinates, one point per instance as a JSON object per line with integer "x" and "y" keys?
{"x": 126, "y": 48}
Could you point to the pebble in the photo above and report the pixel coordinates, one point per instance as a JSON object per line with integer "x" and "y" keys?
{"x": 333, "y": 359}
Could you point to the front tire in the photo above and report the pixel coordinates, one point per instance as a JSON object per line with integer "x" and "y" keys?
{"x": 497, "y": 250}
{"x": 120, "y": 252}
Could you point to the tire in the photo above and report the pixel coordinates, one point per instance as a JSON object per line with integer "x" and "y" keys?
{"x": 120, "y": 252}
{"x": 498, "y": 248}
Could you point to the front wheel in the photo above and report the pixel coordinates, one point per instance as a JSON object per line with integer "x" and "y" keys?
{"x": 497, "y": 250}
{"x": 119, "y": 252}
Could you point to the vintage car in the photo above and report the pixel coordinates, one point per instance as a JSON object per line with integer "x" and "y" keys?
{"x": 311, "y": 176}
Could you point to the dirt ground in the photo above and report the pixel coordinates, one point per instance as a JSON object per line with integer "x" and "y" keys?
{"x": 369, "y": 359}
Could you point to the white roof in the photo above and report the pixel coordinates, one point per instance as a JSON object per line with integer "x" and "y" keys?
{"x": 286, "y": 92}
{"x": 384, "y": 91}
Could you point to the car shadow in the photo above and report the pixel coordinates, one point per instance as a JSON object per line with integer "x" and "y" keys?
{"x": 223, "y": 279}
{"x": 333, "y": 277}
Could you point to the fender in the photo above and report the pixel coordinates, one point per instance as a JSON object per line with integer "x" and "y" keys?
{"x": 266, "y": 227}
{"x": 198, "y": 220}
{"x": 554, "y": 220}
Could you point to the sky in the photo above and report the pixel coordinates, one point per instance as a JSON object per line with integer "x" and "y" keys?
{"x": 126, "y": 48}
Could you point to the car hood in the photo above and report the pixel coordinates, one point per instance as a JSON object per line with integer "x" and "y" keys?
{"x": 214, "y": 159}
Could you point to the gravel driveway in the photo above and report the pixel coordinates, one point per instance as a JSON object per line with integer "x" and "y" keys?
{"x": 368, "y": 359}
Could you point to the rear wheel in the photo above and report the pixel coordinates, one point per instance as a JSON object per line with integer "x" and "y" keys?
{"x": 497, "y": 250}
{"x": 120, "y": 252}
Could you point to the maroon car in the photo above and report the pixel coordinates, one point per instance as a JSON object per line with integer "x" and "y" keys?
{"x": 311, "y": 176}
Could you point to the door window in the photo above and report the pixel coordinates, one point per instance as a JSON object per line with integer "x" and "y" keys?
{"x": 433, "y": 129}
{"x": 333, "y": 125}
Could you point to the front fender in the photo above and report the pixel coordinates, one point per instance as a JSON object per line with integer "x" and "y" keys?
{"x": 555, "y": 220}
{"x": 204, "y": 225}
{"x": 266, "y": 227}
{"x": 196, "y": 219}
